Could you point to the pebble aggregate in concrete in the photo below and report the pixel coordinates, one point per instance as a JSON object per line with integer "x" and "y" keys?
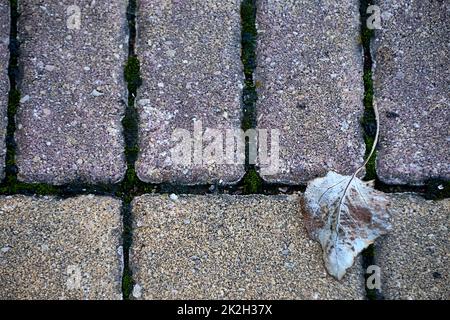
{"x": 73, "y": 93}
{"x": 229, "y": 247}
{"x": 310, "y": 86}
{"x": 414, "y": 256}
{"x": 60, "y": 249}
{"x": 192, "y": 71}
{"x": 411, "y": 86}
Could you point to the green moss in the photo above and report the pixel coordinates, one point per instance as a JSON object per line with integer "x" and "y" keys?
{"x": 369, "y": 252}
{"x": 132, "y": 74}
{"x": 127, "y": 284}
{"x": 13, "y": 101}
{"x": 248, "y": 57}
{"x": 249, "y": 33}
{"x": 366, "y": 36}
{"x": 42, "y": 189}
{"x": 247, "y": 124}
{"x": 371, "y": 164}
{"x": 252, "y": 182}
{"x": 130, "y": 124}
{"x": 368, "y": 93}
{"x": 12, "y": 186}
{"x": 371, "y": 294}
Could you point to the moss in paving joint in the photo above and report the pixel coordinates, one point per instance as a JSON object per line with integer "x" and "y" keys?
{"x": 249, "y": 34}
{"x": 130, "y": 125}
{"x": 252, "y": 182}
{"x": 368, "y": 121}
{"x": 248, "y": 58}
{"x": 130, "y": 121}
{"x": 369, "y": 125}
{"x": 132, "y": 74}
{"x": 127, "y": 283}
{"x": 127, "y": 276}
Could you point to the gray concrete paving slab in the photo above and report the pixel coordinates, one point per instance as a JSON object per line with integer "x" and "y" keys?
{"x": 414, "y": 256}
{"x": 411, "y": 87}
{"x": 73, "y": 92}
{"x": 192, "y": 72}
{"x": 310, "y": 86}
{"x": 60, "y": 249}
{"x": 229, "y": 247}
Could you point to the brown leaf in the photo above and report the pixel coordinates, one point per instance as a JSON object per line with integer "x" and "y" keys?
{"x": 345, "y": 215}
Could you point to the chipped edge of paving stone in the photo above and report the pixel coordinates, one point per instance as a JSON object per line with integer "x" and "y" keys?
{"x": 181, "y": 226}
{"x": 5, "y": 19}
{"x": 42, "y": 233}
{"x": 165, "y": 56}
{"x": 414, "y": 257}
{"x": 45, "y": 155}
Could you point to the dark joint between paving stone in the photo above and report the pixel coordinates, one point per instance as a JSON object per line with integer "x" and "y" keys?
{"x": 130, "y": 125}
{"x": 368, "y": 122}
{"x": 252, "y": 182}
{"x": 369, "y": 127}
{"x": 432, "y": 189}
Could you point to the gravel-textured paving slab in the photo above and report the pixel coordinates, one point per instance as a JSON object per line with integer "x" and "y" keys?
{"x": 73, "y": 92}
{"x": 192, "y": 71}
{"x": 4, "y": 81}
{"x": 411, "y": 83}
{"x": 60, "y": 249}
{"x": 310, "y": 87}
{"x": 414, "y": 257}
{"x": 229, "y": 247}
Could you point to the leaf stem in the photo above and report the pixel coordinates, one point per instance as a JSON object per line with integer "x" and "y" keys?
{"x": 375, "y": 142}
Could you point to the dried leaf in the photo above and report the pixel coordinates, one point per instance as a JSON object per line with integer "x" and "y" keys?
{"x": 345, "y": 215}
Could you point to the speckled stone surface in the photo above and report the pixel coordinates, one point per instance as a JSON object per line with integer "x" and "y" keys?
{"x": 4, "y": 80}
{"x": 411, "y": 84}
{"x": 73, "y": 93}
{"x": 229, "y": 247}
{"x": 60, "y": 249}
{"x": 192, "y": 71}
{"x": 310, "y": 87}
{"x": 414, "y": 257}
